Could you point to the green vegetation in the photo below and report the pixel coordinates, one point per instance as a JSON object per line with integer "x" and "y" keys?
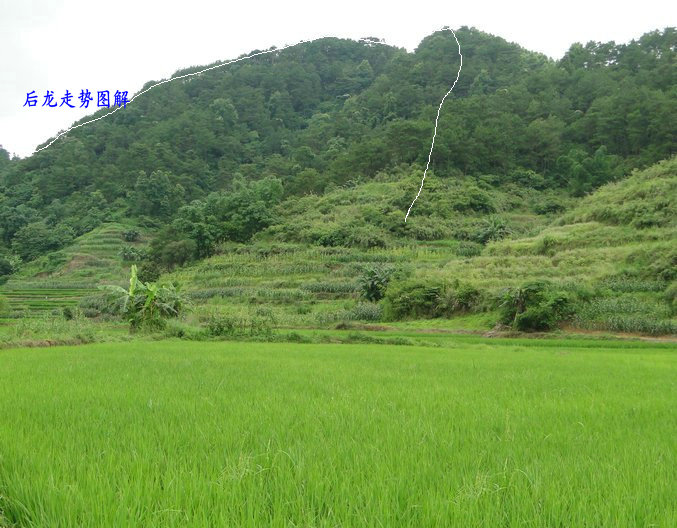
{"x": 271, "y": 194}
{"x": 596, "y": 269}
{"x": 276, "y": 187}
{"x": 481, "y": 433}
{"x": 59, "y": 281}
{"x": 145, "y": 304}
{"x": 334, "y": 112}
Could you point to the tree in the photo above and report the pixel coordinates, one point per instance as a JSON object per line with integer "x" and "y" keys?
{"x": 156, "y": 195}
{"x": 37, "y": 238}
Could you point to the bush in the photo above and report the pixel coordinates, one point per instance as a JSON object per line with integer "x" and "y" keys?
{"x": 550, "y": 205}
{"x": 132, "y": 254}
{"x": 374, "y": 281}
{"x": 469, "y": 197}
{"x": 412, "y": 299}
{"x": 149, "y": 271}
{"x": 416, "y": 299}
{"x": 534, "y": 306}
{"x": 354, "y": 234}
{"x": 131, "y": 235}
{"x": 458, "y": 298}
{"x": 223, "y": 326}
{"x": 490, "y": 229}
{"x": 536, "y": 318}
{"x": 98, "y": 306}
{"x": 68, "y": 313}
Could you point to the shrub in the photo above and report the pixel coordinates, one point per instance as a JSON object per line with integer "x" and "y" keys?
{"x": 374, "y": 281}
{"x": 458, "y": 298}
{"x": 219, "y": 326}
{"x": 550, "y": 205}
{"x": 98, "y": 306}
{"x": 132, "y": 254}
{"x": 534, "y": 306}
{"x": 149, "y": 271}
{"x": 527, "y": 178}
{"x": 131, "y": 235}
{"x": 539, "y": 317}
{"x": 492, "y": 228}
{"x": 469, "y": 197}
{"x": 413, "y": 299}
{"x": 303, "y": 309}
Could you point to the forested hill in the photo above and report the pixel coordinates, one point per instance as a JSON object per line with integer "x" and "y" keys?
{"x": 333, "y": 112}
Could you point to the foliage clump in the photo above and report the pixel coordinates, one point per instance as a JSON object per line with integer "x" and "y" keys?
{"x": 420, "y": 298}
{"x": 374, "y": 281}
{"x": 144, "y": 304}
{"x": 535, "y": 306}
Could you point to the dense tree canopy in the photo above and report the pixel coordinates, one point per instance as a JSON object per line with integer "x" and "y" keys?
{"x": 208, "y": 156}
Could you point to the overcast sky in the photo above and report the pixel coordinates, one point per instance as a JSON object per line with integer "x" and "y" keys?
{"x": 121, "y": 44}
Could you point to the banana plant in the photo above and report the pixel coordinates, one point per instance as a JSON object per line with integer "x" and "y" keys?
{"x": 145, "y": 303}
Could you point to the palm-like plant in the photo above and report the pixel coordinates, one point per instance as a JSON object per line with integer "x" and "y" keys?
{"x": 144, "y": 303}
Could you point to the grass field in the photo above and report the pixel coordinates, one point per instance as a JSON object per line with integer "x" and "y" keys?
{"x": 475, "y": 432}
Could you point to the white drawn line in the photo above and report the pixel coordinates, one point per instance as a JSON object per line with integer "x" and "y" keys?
{"x": 439, "y": 109}
{"x": 274, "y": 50}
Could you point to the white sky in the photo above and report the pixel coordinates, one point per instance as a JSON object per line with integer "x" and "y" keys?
{"x": 121, "y": 44}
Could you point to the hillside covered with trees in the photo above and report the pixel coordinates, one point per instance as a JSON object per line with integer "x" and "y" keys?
{"x": 323, "y": 146}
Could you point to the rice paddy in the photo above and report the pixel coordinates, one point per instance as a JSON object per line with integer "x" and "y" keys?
{"x": 473, "y": 432}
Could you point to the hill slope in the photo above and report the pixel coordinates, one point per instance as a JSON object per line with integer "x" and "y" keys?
{"x": 619, "y": 276}
{"x": 334, "y": 111}
{"x": 307, "y": 159}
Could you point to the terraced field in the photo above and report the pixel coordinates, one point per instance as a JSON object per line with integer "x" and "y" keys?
{"x": 27, "y": 302}
{"x": 296, "y": 285}
{"x": 66, "y": 276}
{"x": 299, "y": 285}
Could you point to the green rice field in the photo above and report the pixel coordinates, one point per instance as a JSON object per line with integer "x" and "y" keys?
{"x": 470, "y": 433}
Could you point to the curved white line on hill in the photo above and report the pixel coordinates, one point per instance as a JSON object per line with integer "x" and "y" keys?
{"x": 439, "y": 109}
{"x": 367, "y": 40}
